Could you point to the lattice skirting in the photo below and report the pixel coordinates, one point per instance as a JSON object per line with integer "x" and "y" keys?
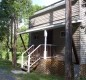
{"x": 51, "y": 66}
{"x": 83, "y": 70}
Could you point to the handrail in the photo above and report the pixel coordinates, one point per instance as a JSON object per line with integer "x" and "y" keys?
{"x": 38, "y": 47}
{"x": 29, "y": 58}
{"x": 29, "y": 64}
{"x": 35, "y": 62}
{"x": 34, "y": 50}
{"x": 22, "y": 62}
{"x": 27, "y": 49}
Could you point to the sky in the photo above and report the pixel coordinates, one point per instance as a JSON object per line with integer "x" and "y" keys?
{"x": 44, "y": 2}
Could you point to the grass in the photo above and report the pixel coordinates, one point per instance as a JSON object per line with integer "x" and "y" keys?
{"x": 37, "y": 76}
{"x": 83, "y": 78}
{"x": 7, "y": 66}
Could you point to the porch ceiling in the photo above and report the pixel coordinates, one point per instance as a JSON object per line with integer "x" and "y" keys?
{"x": 41, "y": 28}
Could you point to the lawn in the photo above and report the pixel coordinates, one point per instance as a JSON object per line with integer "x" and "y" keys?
{"x": 7, "y": 66}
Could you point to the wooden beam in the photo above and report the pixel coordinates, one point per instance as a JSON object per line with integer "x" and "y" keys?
{"x": 23, "y": 42}
{"x": 75, "y": 52}
{"x": 68, "y": 42}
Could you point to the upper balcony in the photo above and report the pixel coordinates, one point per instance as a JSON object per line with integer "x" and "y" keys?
{"x": 54, "y": 14}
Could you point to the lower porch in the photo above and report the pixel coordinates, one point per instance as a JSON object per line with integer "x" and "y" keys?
{"x": 47, "y": 53}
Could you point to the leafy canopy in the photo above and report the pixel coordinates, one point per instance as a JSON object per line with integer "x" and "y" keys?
{"x": 14, "y": 9}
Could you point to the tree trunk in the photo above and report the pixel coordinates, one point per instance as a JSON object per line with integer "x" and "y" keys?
{"x": 11, "y": 41}
{"x": 7, "y": 55}
{"x": 14, "y": 45}
{"x": 68, "y": 43}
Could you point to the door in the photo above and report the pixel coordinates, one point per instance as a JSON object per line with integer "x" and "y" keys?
{"x": 50, "y": 37}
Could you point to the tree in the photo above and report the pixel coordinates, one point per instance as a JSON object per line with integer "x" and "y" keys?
{"x": 10, "y": 13}
{"x": 21, "y": 9}
{"x": 35, "y": 8}
{"x": 25, "y": 39}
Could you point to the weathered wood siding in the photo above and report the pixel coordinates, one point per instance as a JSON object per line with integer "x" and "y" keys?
{"x": 83, "y": 40}
{"x": 37, "y": 38}
{"x": 83, "y": 34}
{"x": 76, "y": 38}
{"x": 60, "y": 41}
{"x": 57, "y": 39}
{"x": 57, "y": 16}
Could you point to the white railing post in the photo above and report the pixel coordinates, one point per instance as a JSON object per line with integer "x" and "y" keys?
{"x": 22, "y": 62}
{"x": 45, "y": 44}
{"x": 28, "y": 63}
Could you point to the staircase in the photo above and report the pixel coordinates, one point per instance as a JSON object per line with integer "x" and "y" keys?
{"x": 31, "y": 59}
{"x": 32, "y": 56}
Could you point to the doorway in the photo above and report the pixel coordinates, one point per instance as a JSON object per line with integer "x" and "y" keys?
{"x": 50, "y": 37}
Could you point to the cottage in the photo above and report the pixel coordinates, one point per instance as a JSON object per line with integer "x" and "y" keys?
{"x": 47, "y": 38}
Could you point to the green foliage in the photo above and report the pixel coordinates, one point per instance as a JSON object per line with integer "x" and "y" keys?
{"x": 83, "y": 78}
{"x": 25, "y": 38}
{"x": 22, "y": 8}
{"x": 34, "y": 9}
{"x": 14, "y": 9}
{"x": 4, "y": 18}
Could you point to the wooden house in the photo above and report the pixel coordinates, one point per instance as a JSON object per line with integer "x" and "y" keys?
{"x": 47, "y": 38}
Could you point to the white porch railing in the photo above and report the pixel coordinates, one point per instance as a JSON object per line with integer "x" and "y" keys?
{"x": 22, "y": 62}
{"x": 34, "y": 56}
{"x": 29, "y": 58}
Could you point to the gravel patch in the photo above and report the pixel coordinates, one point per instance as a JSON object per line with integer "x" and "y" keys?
{"x": 18, "y": 72}
{"x": 4, "y": 76}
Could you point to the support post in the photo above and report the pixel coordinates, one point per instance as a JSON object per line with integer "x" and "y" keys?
{"x": 22, "y": 62}
{"x": 23, "y": 42}
{"x": 28, "y": 63}
{"x": 45, "y": 44}
{"x": 75, "y": 52}
{"x": 68, "y": 43}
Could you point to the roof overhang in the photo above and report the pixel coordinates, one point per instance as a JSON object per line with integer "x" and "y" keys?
{"x": 35, "y": 29}
{"x": 51, "y": 8}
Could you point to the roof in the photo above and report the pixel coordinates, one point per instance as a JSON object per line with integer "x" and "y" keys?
{"x": 35, "y": 29}
{"x": 49, "y": 8}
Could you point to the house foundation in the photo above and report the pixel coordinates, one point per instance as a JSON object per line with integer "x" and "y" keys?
{"x": 53, "y": 65}
{"x": 83, "y": 70}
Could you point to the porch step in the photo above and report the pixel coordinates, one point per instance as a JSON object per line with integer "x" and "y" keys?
{"x": 34, "y": 58}
{"x": 25, "y": 67}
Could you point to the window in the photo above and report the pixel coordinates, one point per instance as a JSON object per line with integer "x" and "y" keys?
{"x": 62, "y": 34}
{"x": 84, "y": 3}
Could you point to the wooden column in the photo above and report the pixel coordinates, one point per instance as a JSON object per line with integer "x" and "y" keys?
{"x": 68, "y": 43}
